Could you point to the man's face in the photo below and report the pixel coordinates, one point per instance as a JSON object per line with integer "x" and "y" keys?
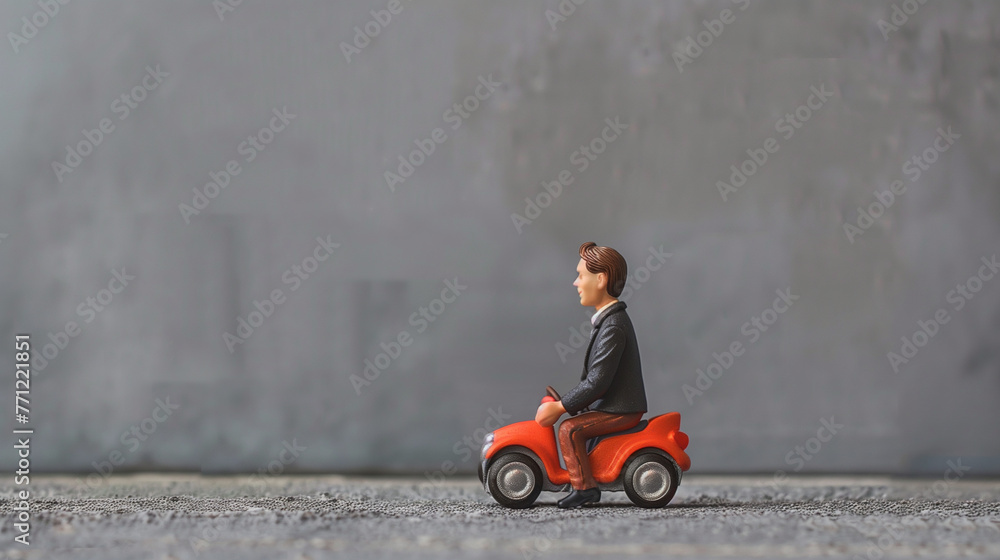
{"x": 591, "y": 287}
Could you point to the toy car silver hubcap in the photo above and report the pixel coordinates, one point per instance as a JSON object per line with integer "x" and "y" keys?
{"x": 515, "y": 480}
{"x": 651, "y": 481}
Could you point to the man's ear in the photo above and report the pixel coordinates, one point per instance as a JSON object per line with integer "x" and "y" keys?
{"x": 602, "y": 281}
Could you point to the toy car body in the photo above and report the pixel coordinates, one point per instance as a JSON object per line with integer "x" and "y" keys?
{"x": 520, "y": 460}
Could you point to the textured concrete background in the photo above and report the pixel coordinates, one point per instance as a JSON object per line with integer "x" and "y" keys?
{"x": 494, "y": 348}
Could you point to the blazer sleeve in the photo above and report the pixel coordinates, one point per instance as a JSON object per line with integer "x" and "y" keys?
{"x": 604, "y": 358}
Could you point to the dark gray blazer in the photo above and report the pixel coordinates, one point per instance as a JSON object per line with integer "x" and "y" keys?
{"x": 612, "y": 376}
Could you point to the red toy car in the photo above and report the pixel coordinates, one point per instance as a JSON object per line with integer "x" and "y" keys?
{"x": 518, "y": 461}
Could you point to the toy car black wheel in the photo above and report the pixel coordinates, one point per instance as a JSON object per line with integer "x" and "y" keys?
{"x": 515, "y": 480}
{"x": 650, "y": 480}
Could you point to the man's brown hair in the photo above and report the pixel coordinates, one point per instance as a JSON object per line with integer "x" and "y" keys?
{"x": 605, "y": 259}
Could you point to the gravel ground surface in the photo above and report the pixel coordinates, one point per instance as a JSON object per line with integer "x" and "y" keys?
{"x": 312, "y": 517}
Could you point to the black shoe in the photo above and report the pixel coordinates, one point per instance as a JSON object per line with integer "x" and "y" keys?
{"x": 577, "y": 498}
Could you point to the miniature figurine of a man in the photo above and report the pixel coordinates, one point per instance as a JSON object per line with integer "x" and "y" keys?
{"x": 611, "y": 396}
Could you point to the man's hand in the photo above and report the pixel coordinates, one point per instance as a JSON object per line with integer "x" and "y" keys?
{"x": 548, "y": 413}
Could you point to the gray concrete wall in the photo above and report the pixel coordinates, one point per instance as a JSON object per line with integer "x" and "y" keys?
{"x": 497, "y": 345}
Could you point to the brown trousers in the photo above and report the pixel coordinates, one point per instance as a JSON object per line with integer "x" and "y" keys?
{"x": 574, "y": 433}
